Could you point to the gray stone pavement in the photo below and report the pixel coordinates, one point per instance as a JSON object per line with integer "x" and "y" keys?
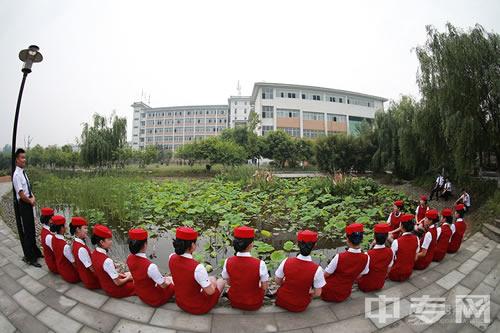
{"x": 35, "y": 300}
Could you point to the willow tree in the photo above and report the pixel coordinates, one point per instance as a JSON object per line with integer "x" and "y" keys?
{"x": 399, "y": 140}
{"x": 459, "y": 79}
{"x": 102, "y": 140}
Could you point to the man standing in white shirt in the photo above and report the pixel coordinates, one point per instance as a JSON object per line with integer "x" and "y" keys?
{"x": 25, "y": 204}
{"x": 438, "y": 187}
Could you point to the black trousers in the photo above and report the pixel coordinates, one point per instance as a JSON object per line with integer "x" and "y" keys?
{"x": 436, "y": 191}
{"x": 28, "y": 238}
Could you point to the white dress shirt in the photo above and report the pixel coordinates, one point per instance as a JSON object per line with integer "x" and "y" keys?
{"x": 108, "y": 265}
{"x": 200, "y": 272}
{"x": 20, "y": 182}
{"x": 67, "y": 249}
{"x": 382, "y": 246}
{"x": 427, "y": 240}
{"x": 264, "y": 274}
{"x": 83, "y": 254}
{"x": 319, "y": 276}
{"x": 153, "y": 271}
{"x": 394, "y": 245}
{"x": 332, "y": 266}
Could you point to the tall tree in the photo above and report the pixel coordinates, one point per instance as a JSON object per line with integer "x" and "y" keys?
{"x": 459, "y": 79}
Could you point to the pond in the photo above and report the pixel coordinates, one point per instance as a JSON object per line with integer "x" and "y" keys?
{"x": 277, "y": 210}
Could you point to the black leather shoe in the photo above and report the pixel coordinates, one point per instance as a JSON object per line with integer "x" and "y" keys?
{"x": 34, "y": 263}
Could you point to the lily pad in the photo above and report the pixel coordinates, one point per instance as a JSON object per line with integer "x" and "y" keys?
{"x": 278, "y": 256}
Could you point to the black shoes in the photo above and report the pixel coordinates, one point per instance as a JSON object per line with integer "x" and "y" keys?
{"x": 34, "y": 263}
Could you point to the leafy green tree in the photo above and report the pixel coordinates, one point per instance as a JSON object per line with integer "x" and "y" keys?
{"x": 343, "y": 152}
{"x": 279, "y": 146}
{"x": 101, "y": 140}
{"x": 459, "y": 79}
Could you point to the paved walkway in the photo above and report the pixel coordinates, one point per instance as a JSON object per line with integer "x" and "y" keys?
{"x": 34, "y": 300}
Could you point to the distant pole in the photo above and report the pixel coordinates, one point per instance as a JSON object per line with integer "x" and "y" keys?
{"x": 28, "y": 56}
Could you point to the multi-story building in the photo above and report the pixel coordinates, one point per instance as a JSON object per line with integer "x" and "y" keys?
{"x": 301, "y": 111}
{"x": 239, "y": 110}
{"x": 173, "y": 126}
{"x": 305, "y": 111}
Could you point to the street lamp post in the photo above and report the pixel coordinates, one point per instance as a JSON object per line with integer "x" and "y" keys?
{"x": 28, "y": 57}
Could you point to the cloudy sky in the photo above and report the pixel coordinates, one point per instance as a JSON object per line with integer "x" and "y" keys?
{"x": 99, "y": 55}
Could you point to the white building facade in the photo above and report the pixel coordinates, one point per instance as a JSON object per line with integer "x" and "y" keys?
{"x": 306, "y": 111}
{"x": 171, "y": 127}
{"x": 239, "y": 110}
{"x": 301, "y": 111}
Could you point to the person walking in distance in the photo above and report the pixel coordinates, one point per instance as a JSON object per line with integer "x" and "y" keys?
{"x": 26, "y": 203}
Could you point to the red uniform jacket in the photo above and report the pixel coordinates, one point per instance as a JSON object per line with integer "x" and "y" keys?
{"x": 88, "y": 278}
{"x": 458, "y": 236}
{"x": 339, "y": 285}
{"x": 147, "y": 290}
{"x": 442, "y": 242}
{"x": 244, "y": 276}
{"x": 293, "y": 294}
{"x": 64, "y": 267}
{"x": 395, "y": 222}
{"x": 424, "y": 262}
{"x": 404, "y": 258}
{"x": 107, "y": 284}
{"x": 380, "y": 259}
{"x": 421, "y": 212}
{"x": 189, "y": 295}
{"x": 48, "y": 254}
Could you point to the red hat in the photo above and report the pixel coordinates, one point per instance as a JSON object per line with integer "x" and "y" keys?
{"x": 307, "y": 236}
{"x": 398, "y": 203}
{"x": 382, "y": 228}
{"x": 78, "y": 221}
{"x": 186, "y": 233}
{"x": 355, "y": 227}
{"x": 244, "y": 232}
{"x": 407, "y": 217}
{"x": 423, "y": 197}
{"x": 102, "y": 231}
{"x": 459, "y": 207}
{"x": 138, "y": 234}
{"x": 446, "y": 212}
{"x": 432, "y": 214}
{"x": 46, "y": 211}
{"x": 58, "y": 220}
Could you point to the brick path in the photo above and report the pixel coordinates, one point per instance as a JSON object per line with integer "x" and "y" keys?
{"x": 34, "y": 300}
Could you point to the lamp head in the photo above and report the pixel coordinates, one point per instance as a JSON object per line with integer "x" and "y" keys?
{"x": 30, "y": 56}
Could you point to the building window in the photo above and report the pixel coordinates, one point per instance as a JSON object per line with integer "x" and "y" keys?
{"x": 282, "y": 94}
{"x": 313, "y": 116}
{"x": 291, "y": 131}
{"x": 267, "y": 129}
{"x": 286, "y": 113}
{"x": 337, "y": 118}
{"x": 267, "y": 111}
{"x": 340, "y": 100}
{"x": 310, "y": 133}
{"x": 267, "y": 93}
{"x": 332, "y": 99}
{"x": 304, "y": 96}
{"x": 316, "y": 98}
{"x": 291, "y": 95}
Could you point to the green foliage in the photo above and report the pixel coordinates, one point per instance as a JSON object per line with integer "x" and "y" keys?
{"x": 279, "y": 146}
{"x": 101, "y": 140}
{"x": 213, "y": 150}
{"x": 341, "y": 152}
